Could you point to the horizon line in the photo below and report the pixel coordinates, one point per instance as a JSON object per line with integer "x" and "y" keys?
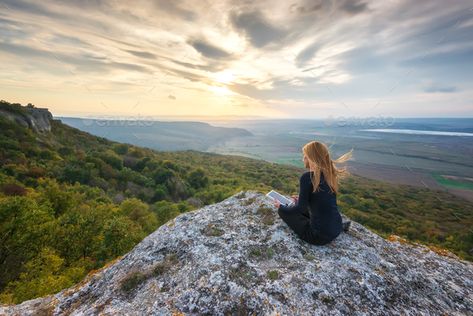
{"x": 244, "y": 117}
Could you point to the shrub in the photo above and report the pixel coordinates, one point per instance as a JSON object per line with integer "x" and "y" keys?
{"x": 211, "y": 230}
{"x": 273, "y": 275}
{"x": 120, "y": 149}
{"x": 12, "y": 189}
{"x": 165, "y": 265}
{"x": 132, "y": 281}
{"x": 267, "y": 215}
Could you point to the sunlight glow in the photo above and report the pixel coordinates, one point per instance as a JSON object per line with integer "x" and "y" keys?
{"x": 224, "y": 77}
{"x": 221, "y": 90}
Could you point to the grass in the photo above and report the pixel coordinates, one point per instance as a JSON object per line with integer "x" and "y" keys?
{"x": 132, "y": 281}
{"x": 243, "y": 274}
{"x": 260, "y": 252}
{"x": 249, "y": 201}
{"x": 211, "y": 230}
{"x": 267, "y": 215}
{"x": 273, "y": 275}
{"x": 165, "y": 265}
{"x": 457, "y": 184}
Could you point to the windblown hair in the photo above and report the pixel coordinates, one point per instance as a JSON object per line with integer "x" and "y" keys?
{"x": 319, "y": 159}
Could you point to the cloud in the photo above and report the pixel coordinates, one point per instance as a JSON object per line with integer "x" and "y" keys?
{"x": 257, "y": 28}
{"x": 207, "y": 49}
{"x": 306, "y": 8}
{"x": 435, "y": 88}
{"x": 142, "y": 54}
{"x": 307, "y": 53}
{"x": 174, "y": 8}
{"x": 312, "y": 51}
{"x": 80, "y": 62}
{"x": 354, "y": 6}
{"x": 30, "y": 7}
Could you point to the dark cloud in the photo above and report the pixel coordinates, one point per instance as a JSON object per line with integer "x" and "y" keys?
{"x": 12, "y": 30}
{"x": 174, "y": 8}
{"x": 213, "y": 66}
{"x": 207, "y": 49}
{"x": 435, "y": 88}
{"x": 127, "y": 66}
{"x": 33, "y": 8}
{"x": 69, "y": 40}
{"x": 440, "y": 31}
{"x": 254, "y": 25}
{"x": 183, "y": 74}
{"x": 81, "y": 62}
{"x": 142, "y": 54}
{"x": 305, "y": 8}
{"x": 307, "y": 53}
{"x": 353, "y": 6}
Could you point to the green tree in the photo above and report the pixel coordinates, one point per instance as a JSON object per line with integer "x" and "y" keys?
{"x": 165, "y": 211}
{"x": 57, "y": 196}
{"x": 120, "y": 149}
{"x": 120, "y": 235}
{"x": 43, "y": 275}
{"x": 197, "y": 178}
{"x": 112, "y": 159}
{"x": 139, "y": 213}
{"x": 79, "y": 231}
{"x": 25, "y": 227}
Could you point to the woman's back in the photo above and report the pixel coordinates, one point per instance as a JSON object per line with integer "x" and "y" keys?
{"x": 325, "y": 222}
{"x": 324, "y": 214}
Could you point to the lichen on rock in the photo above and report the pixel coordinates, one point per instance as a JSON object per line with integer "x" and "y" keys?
{"x": 236, "y": 257}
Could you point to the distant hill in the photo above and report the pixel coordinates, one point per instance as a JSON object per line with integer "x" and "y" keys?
{"x": 71, "y": 202}
{"x": 168, "y": 136}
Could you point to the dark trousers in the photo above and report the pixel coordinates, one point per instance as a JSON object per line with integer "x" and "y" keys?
{"x": 299, "y": 221}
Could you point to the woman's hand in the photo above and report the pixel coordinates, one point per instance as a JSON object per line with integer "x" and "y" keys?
{"x": 295, "y": 198}
{"x": 277, "y": 203}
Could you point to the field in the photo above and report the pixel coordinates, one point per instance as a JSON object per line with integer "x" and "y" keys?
{"x": 431, "y": 161}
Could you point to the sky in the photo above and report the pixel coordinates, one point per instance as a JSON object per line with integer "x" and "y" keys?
{"x": 249, "y": 59}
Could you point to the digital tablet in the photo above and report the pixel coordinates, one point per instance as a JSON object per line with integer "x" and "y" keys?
{"x": 281, "y": 198}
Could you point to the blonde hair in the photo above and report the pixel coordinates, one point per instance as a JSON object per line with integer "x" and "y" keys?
{"x": 319, "y": 159}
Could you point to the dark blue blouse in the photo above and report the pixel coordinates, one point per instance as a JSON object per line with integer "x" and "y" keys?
{"x": 324, "y": 214}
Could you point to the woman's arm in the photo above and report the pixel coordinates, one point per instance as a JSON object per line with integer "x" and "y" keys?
{"x": 304, "y": 194}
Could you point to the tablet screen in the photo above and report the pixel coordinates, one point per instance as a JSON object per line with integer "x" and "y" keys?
{"x": 281, "y": 198}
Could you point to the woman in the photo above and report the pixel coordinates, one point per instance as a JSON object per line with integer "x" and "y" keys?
{"x": 315, "y": 217}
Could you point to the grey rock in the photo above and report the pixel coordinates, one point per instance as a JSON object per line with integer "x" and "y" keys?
{"x": 189, "y": 270}
{"x": 38, "y": 119}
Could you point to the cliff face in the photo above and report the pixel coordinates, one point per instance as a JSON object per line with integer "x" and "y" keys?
{"x": 237, "y": 257}
{"x": 37, "y": 119}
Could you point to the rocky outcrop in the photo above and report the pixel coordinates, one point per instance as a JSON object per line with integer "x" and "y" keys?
{"x": 237, "y": 257}
{"x": 38, "y": 119}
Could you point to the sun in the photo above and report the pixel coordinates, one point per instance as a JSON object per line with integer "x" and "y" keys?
{"x": 224, "y": 77}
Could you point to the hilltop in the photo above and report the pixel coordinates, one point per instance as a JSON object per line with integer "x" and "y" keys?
{"x": 37, "y": 119}
{"x": 238, "y": 257}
